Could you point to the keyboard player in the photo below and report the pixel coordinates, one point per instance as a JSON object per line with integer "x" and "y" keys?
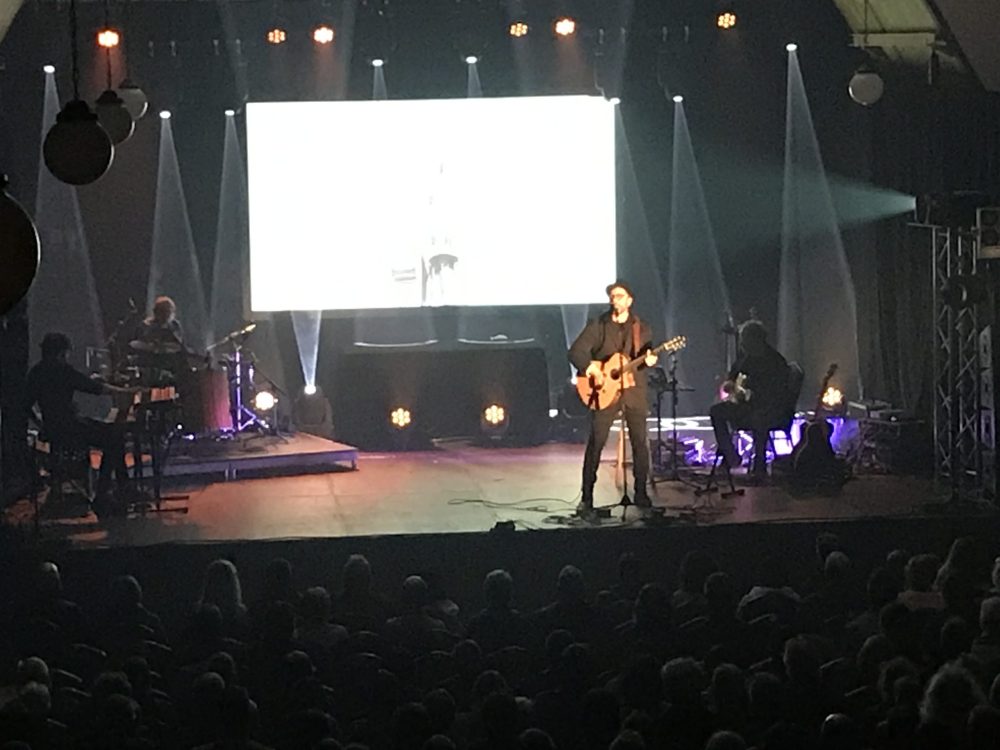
{"x": 51, "y": 384}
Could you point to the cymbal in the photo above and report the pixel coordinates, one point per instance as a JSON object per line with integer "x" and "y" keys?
{"x": 155, "y": 347}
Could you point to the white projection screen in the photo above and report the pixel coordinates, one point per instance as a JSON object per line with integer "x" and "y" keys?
{"x": 399, "y": 204}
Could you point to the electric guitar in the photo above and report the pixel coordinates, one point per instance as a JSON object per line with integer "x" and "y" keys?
{"x": 813, "y": 458}
{"x": 600, "y": 392}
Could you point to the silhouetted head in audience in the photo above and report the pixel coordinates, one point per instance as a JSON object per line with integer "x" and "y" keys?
{"x": 695, "y": 567}
{"x": 139, "y": 675}
{"x": 117, "y": 718}
{"x": 309, "y": 727}
{"x": 570, "y": 586}
{"x": 989, "y": 617}
{"x": 652, "y": 609}
{"x": 223, "y": 664}
{"x": 357, "y": 576}
{"x": 221, "y": 587}
{"x": 577, "y": 668}
{"x": 683, "y": 681}
{"x": 415, "y": 594}
{"x": 110, "y": 683}
{"x": 555, "y": 643}
{"x": 297, "y": 667}
{"x": 840, "y": 732}
{"x": 920, "y": 572}
{"x": 488, "y": 683}
{"x": 439, "y": 742}
{"x": 535, "y": 739}
{"x": 726, "y": 740}
{"x": 984, "y": 728}
{"x": 628, "y": 740}
{"x": 873, "y": 653}
{"x": 316, "y": 605}
{"x": 950, "y": 696}
{"x": 995, "y": 692}
{"x": 825, "y": 543}
{"x": 239, "y": 714}
{"x": 126, "y": 594}
{"x": 802, "y": 661}
{"x": 955, "y": 638}
{"x": 440, "y": 707}
{"x": 498, "y": 589}
{"x": 892, "y": 671}
{"x": 411, "y": 727}
{"x": 36, "y": 700}
{"x": 33, "y": 669}
{"x": 962, "y": 563}
{"x": 49, "y": 581}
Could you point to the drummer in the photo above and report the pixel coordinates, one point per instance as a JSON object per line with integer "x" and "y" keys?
{"x": 161, "y": 332}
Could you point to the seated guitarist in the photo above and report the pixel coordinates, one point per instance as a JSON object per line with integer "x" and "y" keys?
{"x": 767, "y": 407}
{"x": 617, "y": 330}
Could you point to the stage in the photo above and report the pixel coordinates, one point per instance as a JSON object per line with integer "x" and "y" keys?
{"x": 458, "y": 487}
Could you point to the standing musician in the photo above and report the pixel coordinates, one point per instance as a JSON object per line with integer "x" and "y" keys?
{"x": 757, "y": 396}
{"x": 51, "y": 384}
{"x": 616, "y": 331}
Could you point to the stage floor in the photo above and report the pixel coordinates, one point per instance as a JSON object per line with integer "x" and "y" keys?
{"x": 457, "y": 487}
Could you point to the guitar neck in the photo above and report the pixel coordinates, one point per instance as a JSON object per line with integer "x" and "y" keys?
{"x": 634, "y": 363}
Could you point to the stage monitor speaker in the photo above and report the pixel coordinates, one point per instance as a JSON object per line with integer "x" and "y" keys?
{"x": 988, "y": 231}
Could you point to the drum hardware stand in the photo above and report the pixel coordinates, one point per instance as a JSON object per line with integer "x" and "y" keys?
{"x": 155, "y": 419}
{"x": 242, "y": 415}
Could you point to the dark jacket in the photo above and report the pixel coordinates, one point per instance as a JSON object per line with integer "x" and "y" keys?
{"x": 602, "y": 337}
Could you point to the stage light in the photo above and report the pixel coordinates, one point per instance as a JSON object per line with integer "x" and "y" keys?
{"x": 134, "y": 98}
{"x": 565, "y": 26}
{"x": 264, "y": 401}
{"x": 48, "y": 68}
{"x": 323, "y": 34}
{"x": 726, "y": 20}
{"x": 471, "y": 60}
{"x": 108, "y": 38}
{"x": 230, "y": 113}
{"x": 791, "y": 46}
{"x": 678, "y": 98}
{"x": 866, "y": 86}
{"x": 401, "y": 418}
{"x": 833, "y": 398}
{"x": 494, "y": 414}
{"x": 518, "y": 29}
{"x": 277, "y": 35}
{"x": 164, "y": 114}
{"x": 378, "y": 62}
{"x": 614, "y": 100}
{"x": 310, "y": 389}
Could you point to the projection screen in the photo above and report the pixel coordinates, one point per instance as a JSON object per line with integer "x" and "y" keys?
{"x": 400, "y": 204}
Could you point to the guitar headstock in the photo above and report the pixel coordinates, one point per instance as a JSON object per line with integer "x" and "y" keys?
{"x": 673, "y": 345}
{"x": 830, "y": 372}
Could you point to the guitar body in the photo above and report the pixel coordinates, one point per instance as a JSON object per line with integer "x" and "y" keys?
{"x": 814, "y": 461}
{"x": 600, "y": 394}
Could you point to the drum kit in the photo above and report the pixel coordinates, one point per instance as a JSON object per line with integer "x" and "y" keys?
{"x": 212, "y": 400}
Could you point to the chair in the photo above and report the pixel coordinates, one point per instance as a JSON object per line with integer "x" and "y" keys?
{"x": 793, "y": 386}
{"x": 62, "y": 462}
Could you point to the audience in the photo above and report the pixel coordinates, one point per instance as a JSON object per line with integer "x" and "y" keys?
{"x": 911, "y": 660}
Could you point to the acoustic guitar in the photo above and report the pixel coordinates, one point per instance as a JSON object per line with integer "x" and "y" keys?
{"x": 600, "y": 392}
{"x": 813, "y": 459}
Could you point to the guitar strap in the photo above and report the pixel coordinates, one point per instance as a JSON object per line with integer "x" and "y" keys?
{"x": 635, "y": 335}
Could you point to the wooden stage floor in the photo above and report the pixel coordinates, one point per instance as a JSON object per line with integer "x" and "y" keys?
{"x": 455, "y": 488}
